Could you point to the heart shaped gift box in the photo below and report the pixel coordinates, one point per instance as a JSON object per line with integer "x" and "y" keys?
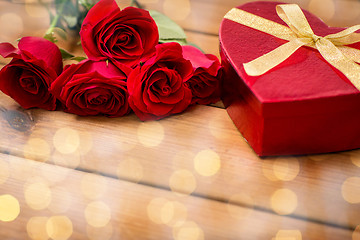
{"x": 303, "y": 105}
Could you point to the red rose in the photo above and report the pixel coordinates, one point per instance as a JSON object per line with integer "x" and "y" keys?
{"x": 93, "y": 88}
{"x": 156, "y": 87}
{"x": 125, "y": 36}
{"x": 205, "y": 83}
{"x": 35, "y": 64}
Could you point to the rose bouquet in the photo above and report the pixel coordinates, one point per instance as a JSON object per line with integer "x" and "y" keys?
{"x": 131, "y": 66}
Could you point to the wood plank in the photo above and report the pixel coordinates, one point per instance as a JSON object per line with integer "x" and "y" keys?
{"x": 199, "y": 152}
{"x": 61, "y": 203}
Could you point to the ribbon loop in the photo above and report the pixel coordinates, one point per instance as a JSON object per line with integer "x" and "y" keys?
{"x": 299, "y": 33}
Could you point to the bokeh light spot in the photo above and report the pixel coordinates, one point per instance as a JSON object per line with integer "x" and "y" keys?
{"x": 182, "y": 181}
{"x": 59, "y": 227}
{"x": 324, "y": 9}
{"x": 37, "y": 149}
{"x": 207, "y": 163}
{"x": 188, "y": 231}
{"x": 154, "y": 210}
{"x": 97, "y": 214}
{"x": 173, "y": 213}
{"x": 286, "y": 169}
{"x": 93, "y": 186}
{"x": 37, "y": 195}
{"x": 150, "y": 134}
{"x": 284, "y": 201}
{"x": 66, "y": 140}
{"x": 288, "y": 235}
{"x": 35, "y": 10}
{"x": 9, "y": 208}
{"x": 61, "y": 200}
{"x": 177, "y": 10}
{"x": 11, "y": 31}
{"x": 131, "y": 170}
{"x": 350, "y": 190}
{"x": 71, "y": 160}
{"x": 99, "y": 233}
{"x": 36, "y": 228}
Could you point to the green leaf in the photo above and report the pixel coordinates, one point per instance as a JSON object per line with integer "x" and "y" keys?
{"x": 60, "y": 32}
{"x": 65, "y": 54}
{"x": 51, "y": 37}
{"x": 180, "y": 41}
{"x": 79, "y": 59}
{"x": 168, "y": 29}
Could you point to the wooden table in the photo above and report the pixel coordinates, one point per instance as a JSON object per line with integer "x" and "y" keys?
{"x": 190, "y": 176}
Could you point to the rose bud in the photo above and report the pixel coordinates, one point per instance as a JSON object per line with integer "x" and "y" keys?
{"x": 156, "y": 87}
{"x": 125, "y": 36}
{"x": 93, "y": 88}
{"x": 35, "y": 64}
{"x": 205, "y": 83}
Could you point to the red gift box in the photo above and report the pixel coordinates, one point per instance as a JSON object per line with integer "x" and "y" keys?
{"x": 304, "y": 105}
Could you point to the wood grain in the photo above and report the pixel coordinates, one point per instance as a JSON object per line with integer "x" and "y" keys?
{"x": 137, "y": 211}
{"x": 195, "y": 162}
{"x": 153, "y": 153}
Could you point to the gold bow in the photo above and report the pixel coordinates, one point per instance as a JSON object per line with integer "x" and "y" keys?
{"x": 299, "y": 33}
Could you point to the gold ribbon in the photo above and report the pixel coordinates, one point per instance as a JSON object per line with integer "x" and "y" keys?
{"x": 299, "y": 33}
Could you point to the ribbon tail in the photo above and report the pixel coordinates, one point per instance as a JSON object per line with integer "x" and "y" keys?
{"x": 337, "y": 59}
{"x": 270, "y": 60}
{"x": 351, "y": 53}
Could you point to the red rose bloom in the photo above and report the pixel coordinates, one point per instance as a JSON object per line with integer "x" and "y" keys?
{"x": 205, "y": 83}
{"x": 125, "y": 36}
{"x": 156, "y": 87}
{"x": 35, "y": 64}
{"x": 93, "y": 88}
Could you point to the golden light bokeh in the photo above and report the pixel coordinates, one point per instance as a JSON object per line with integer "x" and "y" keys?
{"x": 59, "y": 227}
{"x": 37, "y": 149}
{"x": 177, "y": 10}
{"x": 324, "y": 9}
{"x": 281, "y": 169}
{"x": 35, "y": 10}
{"x": 66, "y": 140}
{"x": 182, "y": 181}
{"x": 97, "y": 214}
{"x": 170, "y": 213}
{"x": 150, "y": 134}
{"x": 286, "y": 169}
{"x": 173, "y": 213}
{"x": 4, "y": 171}
{"x": 350, "y": 190}
{"x": 61, "y": 173}
{"x": 37, "y": 195}
{"x": 288, "y": 235}
{"x": 93, "y": 186}
{"x": 71, "y": 160}
{"x": 86, "y": 142}
{"x": 99, "y": 233}
{"x": 61, "y": 200}
{"x": 10, "y": 32}
{"x": 36, "y": 228}
{"x": 207, "y": 163}
{"x": 130, "y": 169}
{"x": 246, "y": 205}
{"x": 188, "y": 231}
{"x": 9, "y": 208}
{"x": 154, "y": 210}
{"x": 284, "y": 201}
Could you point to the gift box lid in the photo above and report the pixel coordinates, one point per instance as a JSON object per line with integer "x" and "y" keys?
{"x": 304, "y": 84}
